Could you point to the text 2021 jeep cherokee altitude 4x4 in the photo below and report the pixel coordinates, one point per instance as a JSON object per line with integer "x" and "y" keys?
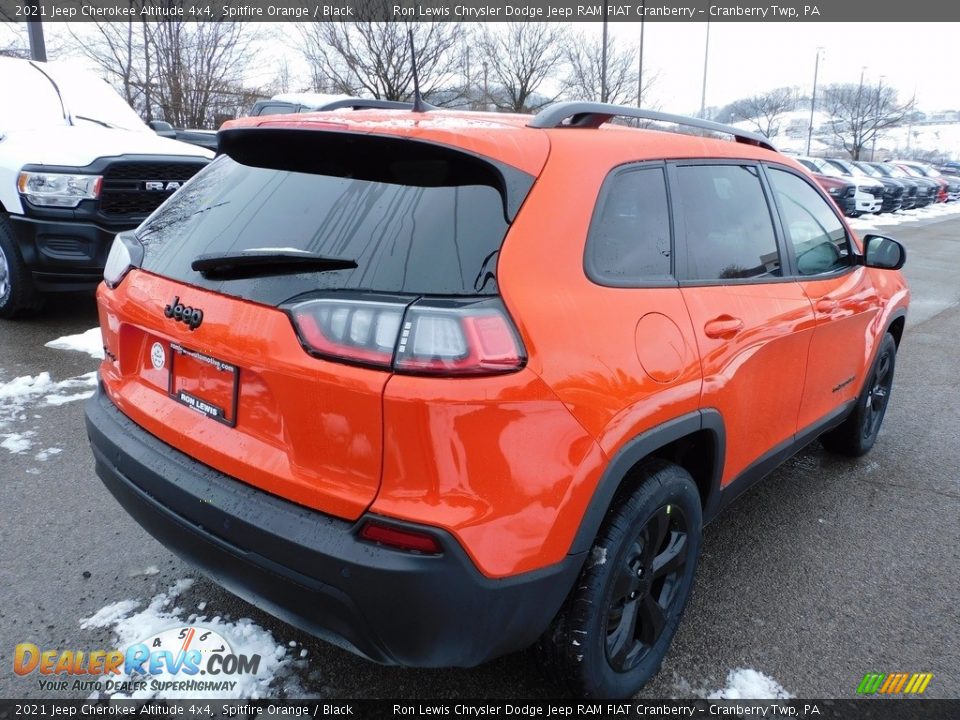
{"x": 438, "y": 386}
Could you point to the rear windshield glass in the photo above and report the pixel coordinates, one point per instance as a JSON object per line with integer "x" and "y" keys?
{"x": 441, "y": 239}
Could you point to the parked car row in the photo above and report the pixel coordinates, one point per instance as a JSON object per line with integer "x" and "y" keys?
{"x": 951, "y": 167}
{"x": 860, "y": 187}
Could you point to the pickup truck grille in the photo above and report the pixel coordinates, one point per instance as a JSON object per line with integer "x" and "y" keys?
{"x": 125, "y": 190}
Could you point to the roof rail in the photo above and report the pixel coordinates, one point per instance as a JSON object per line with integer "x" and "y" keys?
{"x": 594, "y": 114}
{"x": 365, "y": 104}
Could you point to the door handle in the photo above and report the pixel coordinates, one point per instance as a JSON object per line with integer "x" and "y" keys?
{"x": 826, "y": 305}
{"x": 724, "y": 326}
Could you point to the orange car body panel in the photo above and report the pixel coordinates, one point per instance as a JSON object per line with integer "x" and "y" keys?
{"x": 307, "y": 429}
{"x": 497, "y": 461}
{"x": 758, "y": 372}
{"x": 508, "y": 464}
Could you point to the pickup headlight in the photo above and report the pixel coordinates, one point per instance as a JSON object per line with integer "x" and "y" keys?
{"x": 58, "y": 189}
{"x": 125, "y": 253}
{"x": 834, "y": 191}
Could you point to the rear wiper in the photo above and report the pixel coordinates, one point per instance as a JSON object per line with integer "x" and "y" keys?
{"x": 266, "y": 262}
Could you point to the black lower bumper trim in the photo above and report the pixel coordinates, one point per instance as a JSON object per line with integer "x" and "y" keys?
{"x": 311, "y": 570}
{"x": 63, "y": 255}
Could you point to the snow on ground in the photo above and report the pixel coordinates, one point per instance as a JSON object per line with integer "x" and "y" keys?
{"x": 747, "y": 684}
{"x": 89, "y": 342}
{"x": 17, "y": 442}
{"x": 904, "y": 216}
{"x": 131, "y": 625}
{"x": 47, "y": 453}
{"x": 17, "y": 394}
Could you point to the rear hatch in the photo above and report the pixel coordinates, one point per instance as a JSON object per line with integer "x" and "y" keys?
{"x": 217, "y": 362}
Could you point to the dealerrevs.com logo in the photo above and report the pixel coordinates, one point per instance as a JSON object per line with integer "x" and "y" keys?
{"x": 179, "y": 659}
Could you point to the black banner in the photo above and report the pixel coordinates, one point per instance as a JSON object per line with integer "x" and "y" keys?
{"x": 874, "y": 709}
{"x": 479, "y": 10}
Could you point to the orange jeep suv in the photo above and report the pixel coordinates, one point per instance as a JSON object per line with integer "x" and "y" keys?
{"x": 438, "y": 386}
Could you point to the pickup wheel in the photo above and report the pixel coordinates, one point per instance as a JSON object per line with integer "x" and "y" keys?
{"x": 17, "y": 293}
{"x": 857, "y": 434}
{"x": 614, "y": 630}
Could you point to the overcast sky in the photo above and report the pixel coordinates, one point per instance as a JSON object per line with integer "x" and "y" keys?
{"x": 746, "y": 58}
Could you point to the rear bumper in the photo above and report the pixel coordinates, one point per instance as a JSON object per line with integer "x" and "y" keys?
{"x": 311, "y": 570}
{"x": 63, "y": 255}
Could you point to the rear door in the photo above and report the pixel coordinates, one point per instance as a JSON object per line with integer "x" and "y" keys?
{"x": 215, "y": 365}
{"x": 844, "y": 300}
{"x": 753, "y": 324}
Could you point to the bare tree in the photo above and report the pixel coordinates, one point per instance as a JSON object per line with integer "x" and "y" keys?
{"x": 520, "y": 57}
{"x": 119, "y": 49}
{"x": 584, "y": 72}
{"x": 13, "y": 40}
{"x": 198, "y": 69}
{"x": 860, "y": 113}
{"x": 764, "y": 109}
{"x": 187, "y": 73}
{"x": 369, "y": 58}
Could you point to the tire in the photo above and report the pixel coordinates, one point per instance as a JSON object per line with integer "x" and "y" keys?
{"x": 857, "y": 434}
{"x": 18, "y": 296}
{"x": 596, "y": 647}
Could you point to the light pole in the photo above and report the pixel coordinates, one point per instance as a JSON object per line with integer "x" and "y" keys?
{"x": 913, "y": 105}
{"x": 486, "y": 87}
{"x": 813, "y": 98}
{"x": 603, "y": 62}
{"x": 640, "y": 70}
{"x": 38, "y": 48}
{"x": 706, "y": 55}
{"x": 858, "y": 137}
{"x": 873, "y": 147}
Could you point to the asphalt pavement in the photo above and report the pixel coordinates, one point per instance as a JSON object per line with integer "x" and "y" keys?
{"x": 827, "y": 570}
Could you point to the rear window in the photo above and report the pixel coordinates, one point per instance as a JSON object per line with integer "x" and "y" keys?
{"x": 438, "y": 232}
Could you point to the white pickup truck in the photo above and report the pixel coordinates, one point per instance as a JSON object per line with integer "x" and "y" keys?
{"x": 77, "y": 166}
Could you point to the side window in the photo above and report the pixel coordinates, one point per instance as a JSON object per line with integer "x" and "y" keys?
{"x": 629, "y": 239}
{"x": 818, "y": 238}
{"x": 728, "y": 227}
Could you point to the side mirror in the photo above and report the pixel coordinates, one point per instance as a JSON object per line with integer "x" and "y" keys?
{"x": 883, "y": 253}
{"x": 164, "y": 129}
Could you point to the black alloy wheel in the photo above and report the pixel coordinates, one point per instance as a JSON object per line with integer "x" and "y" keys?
{"x": 646, "y": 587}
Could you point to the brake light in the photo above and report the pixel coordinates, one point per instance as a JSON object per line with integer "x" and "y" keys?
{"x": 436, "y": 337}
{"x": 400, "y": 538}
{"x": 359, "y": 330}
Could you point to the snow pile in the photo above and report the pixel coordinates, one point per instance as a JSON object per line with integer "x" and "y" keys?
{"x": 89, "y": 342}
{"x": 131, "y": 626}
{"x": 747, "y": 684}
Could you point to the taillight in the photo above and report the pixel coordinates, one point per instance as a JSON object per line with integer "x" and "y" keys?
{"x": 359, "y": 330}
{"x": 427, "y": 336}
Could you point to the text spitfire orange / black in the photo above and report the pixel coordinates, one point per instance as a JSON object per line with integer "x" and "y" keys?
{"x": 456, "y": 383}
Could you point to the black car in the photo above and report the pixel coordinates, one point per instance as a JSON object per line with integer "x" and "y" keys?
{"x": 892, "y": 190}
{"x": 926, "y": 188}
{"x": 906, "y": 189}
